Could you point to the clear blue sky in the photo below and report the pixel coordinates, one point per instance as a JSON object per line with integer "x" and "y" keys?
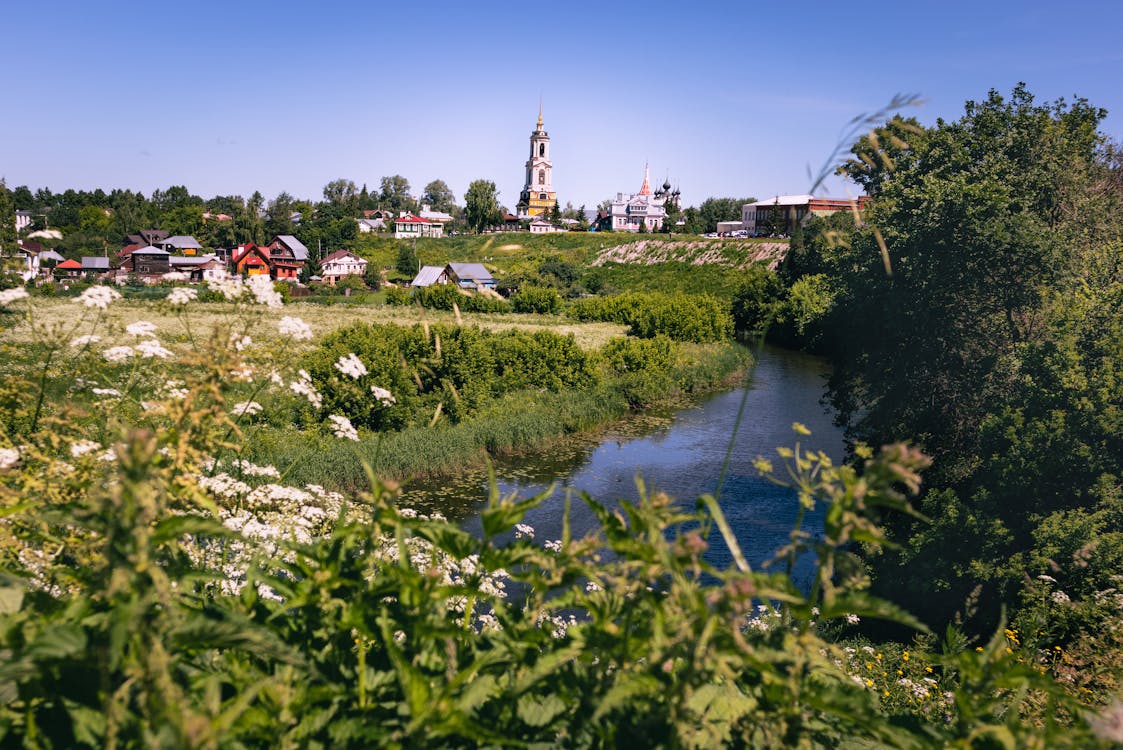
{"x": 728, "y": 98}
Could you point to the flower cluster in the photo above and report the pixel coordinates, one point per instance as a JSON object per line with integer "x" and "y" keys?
{"x": 98, "y": 296}
{"x": 295, "y": 328}
{"x": 303, "y": 386}
{"x": 181, "y": 295}
{"x": 8, "y": 296}
{"x": 342, "y": 428}
{"x": 352, "y": 366}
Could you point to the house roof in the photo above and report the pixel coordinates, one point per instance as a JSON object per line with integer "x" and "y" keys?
{"x": 73, "y": 264}
{"x": 299, "y": 251}
{"x": 473, "y": 271}
{"x": 785, "y": 200}
{"x": 340, "y": 255}
{"x": 435, "y": 215}
{"x": 94, "y": 263}
{"x": 196, "y": 260}
{"x": 129, "y": 249}
{"x": 182, "y": 242}
{"x": 427, "y": 276}
{"x": 50, "y": 255}
{"x": 150, "y": 250}
{"x": 410, "y": 220}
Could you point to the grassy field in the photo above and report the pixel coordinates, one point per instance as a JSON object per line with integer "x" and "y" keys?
{"x": 199, "y": 319}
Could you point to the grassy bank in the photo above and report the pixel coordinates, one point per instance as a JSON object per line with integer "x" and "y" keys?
{"x": 518, "y": 422}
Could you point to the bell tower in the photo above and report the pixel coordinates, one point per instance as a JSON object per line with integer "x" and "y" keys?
{"x": 538, "y": 194}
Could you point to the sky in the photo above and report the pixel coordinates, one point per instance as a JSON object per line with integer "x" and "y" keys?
{"x": 725, "y": 98}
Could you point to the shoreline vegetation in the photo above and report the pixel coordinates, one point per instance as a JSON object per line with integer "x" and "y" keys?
{"x": 519, "y": 422}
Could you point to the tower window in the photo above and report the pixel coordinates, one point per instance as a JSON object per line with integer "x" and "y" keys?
{"x": 541, "y": 176}
{"x": 541, "y": 196}
{"x": 541, "y": 149}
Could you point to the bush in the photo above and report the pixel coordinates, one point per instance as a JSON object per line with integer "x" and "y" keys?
{"x": 536, "y": 299}
{"x": 757, "y": 300}
{"x": 398, "y": 295}
{"x": 683, "y": 317}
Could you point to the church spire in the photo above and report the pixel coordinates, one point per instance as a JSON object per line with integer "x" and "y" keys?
{"x": 646, "y": 189}
{"x": 539, "y": 113}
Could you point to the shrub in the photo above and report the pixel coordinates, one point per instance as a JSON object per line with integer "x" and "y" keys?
{"x": 536, "y": 299}
{"x": 398, "y": 295}
{"x": 682, "y": 317}
{"x": 757, "y": 300}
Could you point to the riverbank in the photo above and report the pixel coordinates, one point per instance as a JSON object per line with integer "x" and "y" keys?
{"x": 518, "y": 422}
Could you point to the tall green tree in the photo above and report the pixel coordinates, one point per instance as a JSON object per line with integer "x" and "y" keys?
{"x": 7, "y": 220}
{"x": 481, "y": 205}
{"x": 394, "y": 194}
{"x": 959, "y": 310}
{"x": 439, "y": 197}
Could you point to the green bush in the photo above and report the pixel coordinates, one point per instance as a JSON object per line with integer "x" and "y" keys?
{"x": 536, "y": 299}
{"x": 398, "y": 295}
{"x": 695, "y": 317}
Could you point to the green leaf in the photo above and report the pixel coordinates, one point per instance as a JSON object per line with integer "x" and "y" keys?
{"x": 11, "y": 599}
{"x": 538, "y": 712}
{"x": 58, "y": 642}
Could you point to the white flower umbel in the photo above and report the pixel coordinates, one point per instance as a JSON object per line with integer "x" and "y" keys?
{"x": 152, "y": 348}
{"x": 263, "y": 291}
{"x": 98, "y": 296}
{"x": 384, "y": 396}
{"x": 141, "y": 328}
{"x": 240, "y": 343}
{"x": 11, "y": 295}
{"x": 117, "y": 353}
{"x": 181, "y": 295}
{"x": 107, "y": 391}
{"x": 9, "y": 458}
{"x": 246, "y": 408}
{"x": 85, "y": 340}
{"x": 295, "y": 328}
{"x": 82, "y": 447}
{"x": 343, "y": 428}
{"x": 230, "y": 287}
{"x": 303, "y": 386}
{"x": 171, "y": 276}
{"x": 351, "y": 365}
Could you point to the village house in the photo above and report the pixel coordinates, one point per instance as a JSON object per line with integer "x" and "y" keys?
{"x": 68, "y": 269}
{"x": 287, "y": 255}
{"x": 180, "y": 245}
{"x": 199, "y": 268}
{"x": 149, "y": 264}
{"x": 94, "y": 266}
{"x": 469, "y": 276}
{"x": 541, "y": 226}
{"x": 429, "y": 275}
{"x": 781, "y": 213}
{"x": 342, "y": 263}
{"x": 408, "y": 226}
{"x": 251, "y": 260}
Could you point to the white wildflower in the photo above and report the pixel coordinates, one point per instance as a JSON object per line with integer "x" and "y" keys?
{"x": 343, "y": 428}
{"x": 141, "y": 328}
{"x": 240, "y": 343}
{"x": 98, "y": 296}
{"x": 351, "y": 365}
{"x": 246, "y": 408}
{"x": 85, "y": 340}
{"x": 243, "y": 373}
{"x": 181, "y": 295}
{"x": 11, "y": 295}
{"x": 1059, "y": 597}
{"x": 82, "y": 447}
{"x": 524, "y": 530}
{"x": 152, "y": 348}
{"x": 591, "y": 587}
{"x": 383, "y": 395}
{"x": 264, "y": 292}
{"x": 108, "y": 391}
{"x": 303, "y": 386}
{"x": 1047, "y": 579}
{"x": 230, "y": 287}
{"x": 852, "y": 619}
{"x": 553, "y": 545}
{"x": 276, "y": 379}
{"x": 295, "y": 328}
{"x": 177, "y": 276}
{"x": 9, "y": 458}
{"x": 109, "y": 455}
{"x": 117, "y": 353}
{"x": 253, "y": 470}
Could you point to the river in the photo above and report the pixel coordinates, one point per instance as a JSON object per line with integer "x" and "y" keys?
{"x": 680, "y": 452}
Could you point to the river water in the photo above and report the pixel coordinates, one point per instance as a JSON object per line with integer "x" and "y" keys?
{"x": 680, "y": 452}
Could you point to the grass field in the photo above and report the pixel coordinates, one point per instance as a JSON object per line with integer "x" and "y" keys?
{"x": 199, "y": 319}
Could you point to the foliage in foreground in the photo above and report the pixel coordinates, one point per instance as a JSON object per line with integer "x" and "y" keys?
{"x": 159, "y": 590}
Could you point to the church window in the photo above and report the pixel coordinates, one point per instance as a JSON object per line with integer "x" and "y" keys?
{"x": 541, "y": 176}
{"x": 542, "y": 196}
{"x": 541, "y": 149}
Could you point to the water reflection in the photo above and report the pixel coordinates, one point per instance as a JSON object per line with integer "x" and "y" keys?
{"x": 679, "y": 452}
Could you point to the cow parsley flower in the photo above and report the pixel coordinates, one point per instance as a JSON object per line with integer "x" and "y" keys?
{"x": 82, "y": 447}
{"x": 295, "y": 328}
{"x": 343, "y": 428}
{"x": 181, "y": 295}
{"x": 240, "y": 343}
{"x": 246, "y": 408}
{"x": 141, "y": 328}
{"x": 98, "y": 296}
{"x": 108, "y": 391}
{"x": 264, "y": 292}
{"x": 228, "y": 286}
{"x": 11, "y": 295}
{"x": 303, "y": 386}
{"x": 9, "y": 458}
{"x": 152, "y": 348}
{"x": 384, "y": 396}
{"x": 176, "y": 276}
{"x": 85, "y": 340}
{"x": 117, "y": 353}
{"x": 351, "y": 365}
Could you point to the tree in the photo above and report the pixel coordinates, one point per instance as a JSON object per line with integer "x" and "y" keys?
{"x": 439, "y": 197}
{"x": 555, "y": 214}
{"x": 714, "y": 210}
{"x": 278, "y": 218}
{"x": 7, "y": 221}
{"x": 965, "y": 323}
{"x": 342, "y": 194}
{"x": 481, "y": 205}
{"x": 407, "y": 263}
{"x": 395, "y": 196}
{"x": 882, "y": 151}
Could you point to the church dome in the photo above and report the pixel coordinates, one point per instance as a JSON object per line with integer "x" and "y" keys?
{"x": 667, "y": 186}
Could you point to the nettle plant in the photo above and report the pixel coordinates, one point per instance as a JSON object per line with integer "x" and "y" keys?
{"x": 159, "y": 590}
